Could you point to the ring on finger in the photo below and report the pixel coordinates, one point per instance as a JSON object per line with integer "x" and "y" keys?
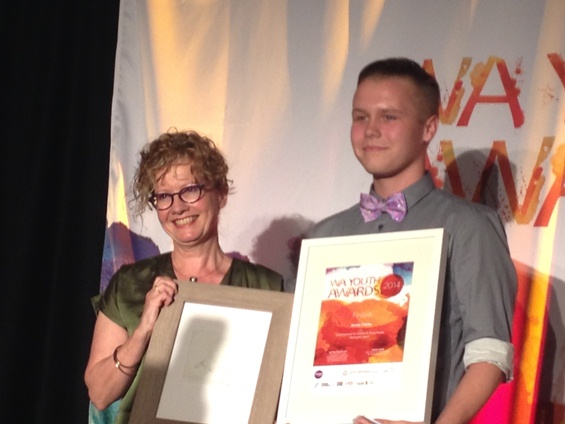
{"x": 157, "y": 289}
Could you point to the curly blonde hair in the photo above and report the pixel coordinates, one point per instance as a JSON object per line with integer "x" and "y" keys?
{"x": 207, "y": 164}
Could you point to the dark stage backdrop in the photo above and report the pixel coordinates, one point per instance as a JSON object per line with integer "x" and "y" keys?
{"x": 57, "y": 60}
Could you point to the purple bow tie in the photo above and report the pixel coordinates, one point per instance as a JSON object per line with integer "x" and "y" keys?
{"x": 372, "y": 208}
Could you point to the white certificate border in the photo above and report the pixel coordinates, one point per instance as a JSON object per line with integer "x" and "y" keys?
{"x": 411, "y": 398}
{"x": 215, "y": 362}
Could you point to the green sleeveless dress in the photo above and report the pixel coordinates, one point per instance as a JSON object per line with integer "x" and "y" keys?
{"x": 124, "y": 298}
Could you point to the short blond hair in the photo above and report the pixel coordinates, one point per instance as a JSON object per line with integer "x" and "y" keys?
{"x": 207, "y": 164}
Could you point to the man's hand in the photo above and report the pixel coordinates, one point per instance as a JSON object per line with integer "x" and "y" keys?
{"x": 363, "y": 420}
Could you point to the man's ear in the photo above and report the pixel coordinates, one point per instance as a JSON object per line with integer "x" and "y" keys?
{"x": 430, "y": 128}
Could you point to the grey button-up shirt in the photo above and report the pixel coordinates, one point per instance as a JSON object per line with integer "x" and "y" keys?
{"x": 480, "y": 282}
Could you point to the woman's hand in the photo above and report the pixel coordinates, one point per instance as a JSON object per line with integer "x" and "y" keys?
{"x": 106, "y": 380}
{"x": 162, "y": 294}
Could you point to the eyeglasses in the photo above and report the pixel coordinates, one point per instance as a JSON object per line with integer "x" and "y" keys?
{"x": 190, "y": 194}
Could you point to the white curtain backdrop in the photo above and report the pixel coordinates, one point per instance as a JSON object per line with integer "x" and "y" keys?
{"x": 271, "y": 82}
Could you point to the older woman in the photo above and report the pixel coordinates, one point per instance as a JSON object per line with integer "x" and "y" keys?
{"x": 184, "y": 177}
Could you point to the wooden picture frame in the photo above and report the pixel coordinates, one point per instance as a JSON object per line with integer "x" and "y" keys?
{"x": 201, "y": 365}
{"x": 364, "y": 328}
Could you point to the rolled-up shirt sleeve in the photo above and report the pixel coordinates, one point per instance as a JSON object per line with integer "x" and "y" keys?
{"x": 493, "y": 351}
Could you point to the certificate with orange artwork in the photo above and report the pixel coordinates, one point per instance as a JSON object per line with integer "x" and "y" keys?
{"x": 363, "y": 315}
{"x": 364, "y": 328}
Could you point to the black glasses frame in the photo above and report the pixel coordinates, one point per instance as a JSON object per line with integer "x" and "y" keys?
{"x": 171, "y": 196}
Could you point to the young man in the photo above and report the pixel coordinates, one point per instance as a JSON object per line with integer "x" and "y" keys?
{"x": 395, "y": 116}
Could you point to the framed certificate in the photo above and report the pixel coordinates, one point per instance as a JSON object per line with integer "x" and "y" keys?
{"x": 216, "y": 356}
{"x": 364, "y": 328}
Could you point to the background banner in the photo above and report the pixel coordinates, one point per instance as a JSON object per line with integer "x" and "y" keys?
{"x": 271, "y": 82}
